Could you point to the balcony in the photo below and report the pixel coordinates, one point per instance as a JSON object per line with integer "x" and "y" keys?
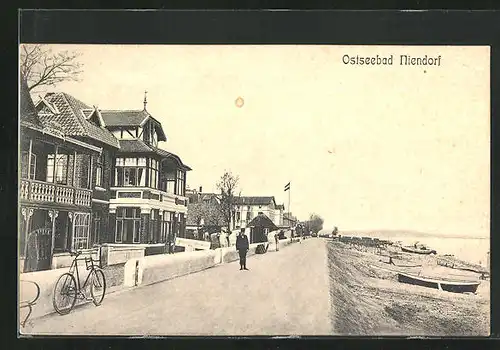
{"x": 45, "y": 192}
{"x": 146, "y": 194}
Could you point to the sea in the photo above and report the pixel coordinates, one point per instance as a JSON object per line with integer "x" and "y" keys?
{"x": 471, "y": 249}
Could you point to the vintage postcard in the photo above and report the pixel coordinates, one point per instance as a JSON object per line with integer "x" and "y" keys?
{"x": 242, "y": 190}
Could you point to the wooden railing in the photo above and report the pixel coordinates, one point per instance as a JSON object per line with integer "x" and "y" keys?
{"x": 40, "y": 191}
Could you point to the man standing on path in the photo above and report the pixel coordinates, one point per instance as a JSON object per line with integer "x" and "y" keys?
{"x": 276, "y": 240}
{"x": 242, "y": 246}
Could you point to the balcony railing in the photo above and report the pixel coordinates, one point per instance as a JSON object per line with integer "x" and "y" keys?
{"x": 40, "y": 191}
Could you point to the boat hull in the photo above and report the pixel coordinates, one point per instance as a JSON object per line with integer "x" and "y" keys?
{"x": 449, "y": 286}
{"x": 418, "y": 251}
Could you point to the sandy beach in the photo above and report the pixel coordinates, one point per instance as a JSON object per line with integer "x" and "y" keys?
{"x": 367, "y": 299}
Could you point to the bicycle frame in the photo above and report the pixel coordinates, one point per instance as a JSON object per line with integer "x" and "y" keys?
{"x": 74, "y": 267}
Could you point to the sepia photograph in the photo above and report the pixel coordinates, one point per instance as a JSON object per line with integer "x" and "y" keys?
{"x": 253, "y": 190}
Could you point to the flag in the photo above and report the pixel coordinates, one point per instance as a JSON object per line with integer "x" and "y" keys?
{"x": 287, "y": 186}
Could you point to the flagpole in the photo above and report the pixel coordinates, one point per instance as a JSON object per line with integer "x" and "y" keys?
{"x": 290, "y": 213}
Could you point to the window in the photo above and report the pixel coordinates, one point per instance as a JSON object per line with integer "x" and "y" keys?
{"x": 153, "y": 173}
{"x": 130, "y": 172}
{"x": 166, "y": 225}
{"x": 97, "y": 228}
{"x": 238, "y": 218}
{"x": 180, "y": 183}
{"x": 154, "y": 227}
{"x": 81, "y": 231}
{"x": 24, "y": 166}
{"x": 61, "y": 168}
{"x": 182, "y": 227}
{"x": 98, "y": 171}
{"x": 170, "y": 182}
{"x": 128, "y": 225}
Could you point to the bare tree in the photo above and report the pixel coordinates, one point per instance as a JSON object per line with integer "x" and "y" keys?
{"x": 209, "y": 212}
{"x": 227, "y": 186}
{"x": 315, "y": 223}
{"x": 41, "y": 67}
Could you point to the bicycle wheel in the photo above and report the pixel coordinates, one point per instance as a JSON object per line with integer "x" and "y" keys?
{"x": 98, "y": 286}
{"x": 65, "y": 291}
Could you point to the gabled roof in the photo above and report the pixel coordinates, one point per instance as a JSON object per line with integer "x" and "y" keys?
{"x": 262, "y": 220}
{"x": 209, "y": 196}
{"x": 244, "y": 200}
{"x": 139, "y": 146}
{"x": 125, "y": 117}
{"x": 132, "y": 118}
{"x": 71, "y": 114}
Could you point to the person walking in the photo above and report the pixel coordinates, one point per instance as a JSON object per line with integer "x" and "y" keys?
{"x": 242, "y": 246}
{"x": 276, "y": 240}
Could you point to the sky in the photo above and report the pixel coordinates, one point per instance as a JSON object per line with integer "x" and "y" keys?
{"x": 365, "y": 147}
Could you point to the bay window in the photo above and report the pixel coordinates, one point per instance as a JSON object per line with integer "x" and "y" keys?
{"x": 130, "y": 172}
{"x": 128, "y": 225}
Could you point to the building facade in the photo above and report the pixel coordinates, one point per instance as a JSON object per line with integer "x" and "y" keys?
{"x": 58, "y": 158}
{"x": 248, "y": 208}
{"x": 148, "y": 203}
{"x": 89, "y": 177}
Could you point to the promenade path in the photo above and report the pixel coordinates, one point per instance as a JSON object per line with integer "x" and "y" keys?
{"x": 283, "y": 293}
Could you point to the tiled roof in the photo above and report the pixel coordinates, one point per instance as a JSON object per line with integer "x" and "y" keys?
{"x": 124, "y": 118}
{"x": 254, "y": 200}
{"x": 72, "y": 117}
{"x": 167, "y": 154}
{"x": 139, "y": 146}
{"x": 132, "y": 118}
{"x": 28, "y": 115}
{"x": 262, "y": 220}
{"x": 134, "y": 146}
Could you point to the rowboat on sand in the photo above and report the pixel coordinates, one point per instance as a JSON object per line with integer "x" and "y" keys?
{"x": 453, "y": 286}
{"x": 418, "y": 250}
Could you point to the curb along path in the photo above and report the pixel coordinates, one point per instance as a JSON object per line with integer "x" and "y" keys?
{"x": 284, "y": 293}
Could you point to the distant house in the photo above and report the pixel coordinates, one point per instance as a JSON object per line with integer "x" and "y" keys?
{"x": 289, "y": 220}
{"x": 248, "y": 207}
{"x": 204, "y": 212}
{"x": 260, "y": 226}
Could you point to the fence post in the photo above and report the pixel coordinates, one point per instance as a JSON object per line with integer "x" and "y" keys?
{"x": 136, "y": 276}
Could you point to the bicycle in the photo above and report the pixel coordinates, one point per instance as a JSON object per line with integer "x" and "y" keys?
{"x": 69, "y": 288}
{"x": 29, "y": 303}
